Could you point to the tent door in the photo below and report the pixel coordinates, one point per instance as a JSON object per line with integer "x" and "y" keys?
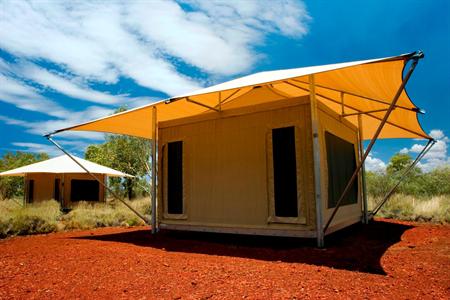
{"x": 285, "y": 172}
{"x": 57, "y": 192}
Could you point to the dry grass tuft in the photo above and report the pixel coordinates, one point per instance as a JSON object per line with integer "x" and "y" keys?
{"x": 37, "y": 218}
{"x": 46, "y": 216}
{"x": 87, "y": 215}
{"x": 409, "y": 208}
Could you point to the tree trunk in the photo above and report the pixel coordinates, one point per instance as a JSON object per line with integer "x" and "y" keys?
{"x": 129, "y": 185}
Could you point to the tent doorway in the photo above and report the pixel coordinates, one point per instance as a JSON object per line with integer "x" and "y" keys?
{"x": 30, "y": 193}
{"x": 56, "y": 192}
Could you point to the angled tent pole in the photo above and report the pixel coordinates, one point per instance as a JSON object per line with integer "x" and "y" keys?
{"x": 49, "y": 137}
{"x": 415, "y": 59}
{"x": 424, "y": 151}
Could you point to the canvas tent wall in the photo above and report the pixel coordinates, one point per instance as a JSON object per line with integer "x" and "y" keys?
{"x": 64, "y": 188}
{"x": 62, "y": 179}
{"x": 227, "y": 170}
{"x": 366, "y": 95}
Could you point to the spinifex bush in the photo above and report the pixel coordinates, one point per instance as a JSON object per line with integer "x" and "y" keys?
{"x": 35, "y": 218}
{"x": 46, "y": 216}
{"x": 85, "y": 215}
{"x": 411, "y": 208}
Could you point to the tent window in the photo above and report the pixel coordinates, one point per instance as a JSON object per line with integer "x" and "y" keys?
{"x": 285, "y": 172}
{"x": 341, "y": 165}
{"x": 56, "y": 192}
{"x": 175, "y": 177}
{"x": 84, "y": 190}
{"x": 30, "y": 191}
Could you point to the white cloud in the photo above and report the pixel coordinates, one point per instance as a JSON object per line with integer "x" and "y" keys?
{"x": 70, "y": 48}
{"x": 374, "y": 164}
{"x": 437, "y": 156}
{"x": 104, "y": 40}
{"x": 437, "y": 134}
{"x": 25, "y": 97}
{"x": 74, "y": 147}
{"x": 72, "y": 87}
{"x": 219, "y": 35}
{"x": 37, "y": 148}
{"x": 72, "y": 118}
{"x": 404, "y": 151}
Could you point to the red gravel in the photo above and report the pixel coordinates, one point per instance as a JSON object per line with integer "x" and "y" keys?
{"x": 386, "y": 259}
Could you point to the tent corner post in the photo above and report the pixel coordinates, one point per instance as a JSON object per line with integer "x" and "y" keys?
{"x": 365, "y": 218}
{"x": 25, "y": 190}
{"x": 316, "y": 158}
{"x": 153, "y": 170}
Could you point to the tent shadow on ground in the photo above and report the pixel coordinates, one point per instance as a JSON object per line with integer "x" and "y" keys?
{"x": 356, "y": 248}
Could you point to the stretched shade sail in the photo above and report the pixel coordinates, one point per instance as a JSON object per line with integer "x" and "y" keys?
{"x": 352, "y": 88}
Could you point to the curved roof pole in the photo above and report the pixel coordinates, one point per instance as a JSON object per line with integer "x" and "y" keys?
{"x": 415, "y": 59}
{"x": 49, "y": 137}
{"x": 424, "y": 151}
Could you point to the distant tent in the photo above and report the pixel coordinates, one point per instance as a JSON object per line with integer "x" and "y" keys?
{"x": 60, "y": 178}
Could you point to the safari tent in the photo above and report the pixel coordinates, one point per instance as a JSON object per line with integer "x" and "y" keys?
{"x": 273, "y": 153}
{"x": 62, "y": 179}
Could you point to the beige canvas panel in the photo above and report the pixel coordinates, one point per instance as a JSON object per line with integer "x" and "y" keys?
{"x": 236, "y": 146}
{"x": 44, "y": 185}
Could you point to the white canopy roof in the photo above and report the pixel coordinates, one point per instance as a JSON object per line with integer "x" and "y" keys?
{"x": 64, "y": 164}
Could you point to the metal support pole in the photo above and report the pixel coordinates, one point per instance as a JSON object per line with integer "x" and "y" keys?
{"x": 363, "y": 171}
{"x": 316, "y": 157}
{"x": 424, "y": 151}
{"x": 154, "y": 202}
{"x": 95, "y": 177}
{"x": 63, "y": 185}
{"x": 415, "y": 59}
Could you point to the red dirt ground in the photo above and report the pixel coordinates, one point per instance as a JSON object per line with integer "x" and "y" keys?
{"x": 385, "y": 259}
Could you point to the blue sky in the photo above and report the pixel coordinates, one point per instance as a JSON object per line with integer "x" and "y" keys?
{"x": 63, "y": 63}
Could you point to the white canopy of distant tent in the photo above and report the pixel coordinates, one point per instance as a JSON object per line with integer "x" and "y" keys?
{"x": 64, "y": 164}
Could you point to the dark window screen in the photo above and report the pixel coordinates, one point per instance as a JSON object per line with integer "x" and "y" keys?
{"x": 284, "y": 172}
{"x": 341, "y": 165}
{"x": 84, "y": 190}
{"x": 30, "y": 191}
{"x": 56, "y": 192}
{"x": 175, "y": 177}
